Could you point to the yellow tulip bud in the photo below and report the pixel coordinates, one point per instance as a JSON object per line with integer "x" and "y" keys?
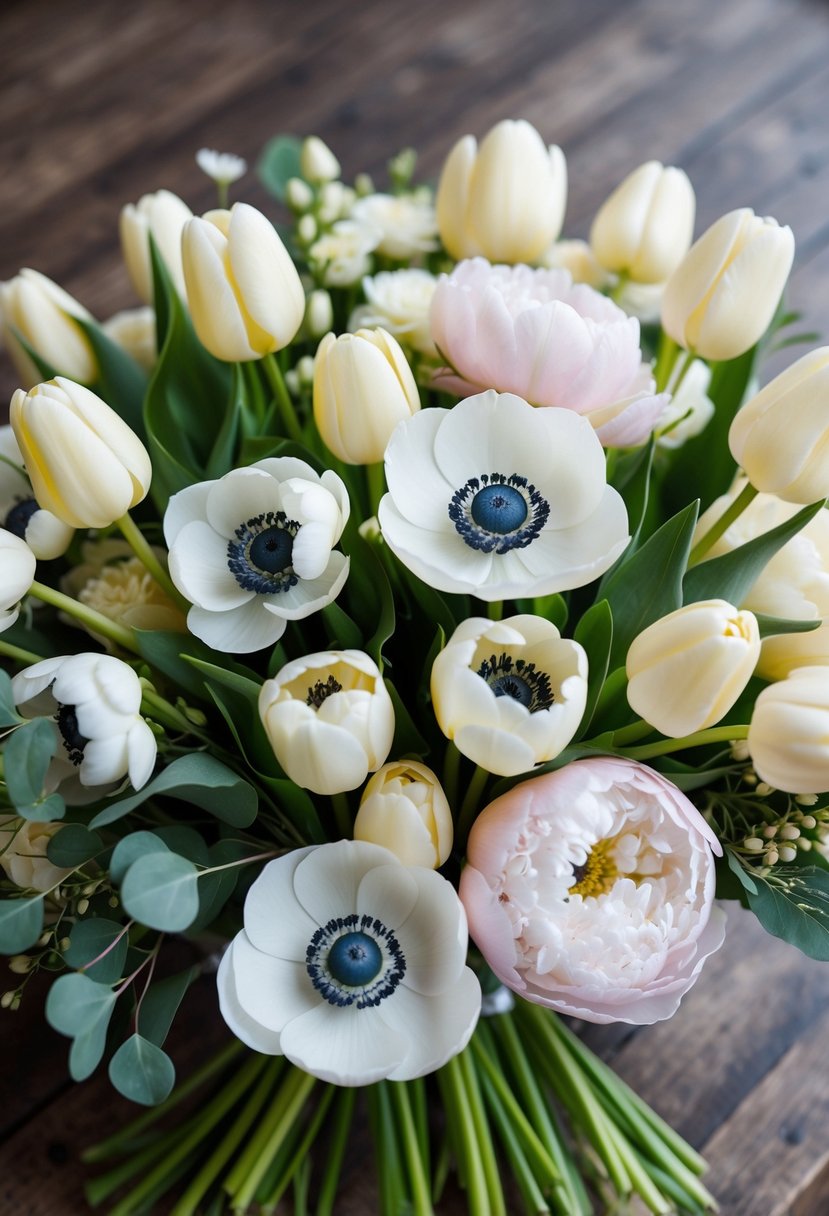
{"x": 161, "y": 216}
{"x": 85, "y": 464}
{"x": 46, "y": 317}
{"x": 504, "y": 200}
{"x": 644, "y": 229}
{"x": 245, "y": 295}
{"x": 721, "y": 298}
{"x": 788, "y": 737}
{"x": 404, "y": 809}
{"x": 781, "y": 436}
{"x": 687, "y": 669}
{"x": 363, "y": 387}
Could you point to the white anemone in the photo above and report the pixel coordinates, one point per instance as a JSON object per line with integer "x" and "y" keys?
{"x": 253, "y": 550}
{"x": 17, "y": 572}
{"x": 511, "y": 693}
{"x": 95, "y": 701}
{"x": 351, "y": 965}
{"x": 45, "y": 534}
{"x": 498, "y": 499}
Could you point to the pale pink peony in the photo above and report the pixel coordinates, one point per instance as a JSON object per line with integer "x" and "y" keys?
{"x": 590, "y": 890}
{"x": 537, "y": 334}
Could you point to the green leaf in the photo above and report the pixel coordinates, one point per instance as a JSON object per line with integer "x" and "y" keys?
{"x": 73, "y": 845}
{"x": 732, "y": 575}
{"x": 142, "y": 1072}
{"x": 197, "y": 778}
{"x": 773, "y": 626}
{"x": 793, "y": 903}
{"x": 595, "y": 633}
{"x": 121, "y": 381}
{"x": 21, "y": 923}
{"x": 75, "y": 1001}
{"x": 128, "y": 850}
{"x": 632, "y": 478}
{"x": 161, "y": 1003}
{"x": 88, "y": 939}
{"x": 223, "y": 453}
{"x": 45, "y": 370}
{"x": 160, "y": 890}
{"x": 739, "y": 869}
{"x": 648, "y": 585}
{"x": 342, "y": 632}
{"x": 168, "y": 651}
{"x": 239, "y": 679}
{"x": 8, "y": 713}
{"x": 408, "y": 740}
{"x": 185, "y": 841}
{"x": 278, "y": 163}
{"x": 26, "y": 759}
{"x": 88, "y": 1049}
{"x": 216, "y": 889}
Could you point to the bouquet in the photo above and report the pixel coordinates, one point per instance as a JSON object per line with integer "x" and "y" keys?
{"x": 421, "y": 615}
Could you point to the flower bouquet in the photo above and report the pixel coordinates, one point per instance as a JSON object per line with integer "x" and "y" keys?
{"x": 420, "y": 615}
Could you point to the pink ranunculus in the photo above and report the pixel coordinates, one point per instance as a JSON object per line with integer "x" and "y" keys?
{"x": 537, "y": 334}
{"x": 590, "y": 890}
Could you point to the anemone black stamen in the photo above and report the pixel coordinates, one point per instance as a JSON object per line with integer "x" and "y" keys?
{"x": 495, "y": 512}
{"x": 73, "y": 741}
{"x": 344, "y": 938}
{"x": 511, "y": 677}
{"x": 318, "y": 692}
{"x": 260, "y": 558}
{"x": 17, "y": 519}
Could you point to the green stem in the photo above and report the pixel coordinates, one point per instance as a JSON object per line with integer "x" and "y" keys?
{"x": 278, "y": 1187}
{"x": 336, "y": 1152}
{"x": 99, "y": 1189}
{"x": 483, "y": 1134}
{"x": 522, "y": 1172}
{"x": 386, "y": 1149}
{"x": 452, "y": 1083}
{"x": 668, "y": 351}
{"x": 156, "y": 707}
{"x": 26, "y": 657}
{"x": 495, "y": 610}
{"x": 746, "y": 495}
{"x": 143, "y": 550}
{"x": 376, "y": 478}
{"x": 422, "y": 1204}
{"x": 283, "y": 398}
{"x": 277, "y": 1122}
{"x": 715, "y": 734}
{"x": 470, "y": 803}
{"x": 94, "y": 621}
{"x": 342, "y": 815}
{"x": 633, "y": 733}
{"x": 683, "y": 371}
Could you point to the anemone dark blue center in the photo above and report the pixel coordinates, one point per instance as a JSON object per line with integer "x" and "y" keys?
{"x": 516, "y": 678}
{"x": 354, "y": 959}
{"x": 271, "y": 550}
{"x": 499, "y": 509}
{"x": 18, "y": 518}
{"x": 73, "y": 740}
{"x": 513, "y": 686}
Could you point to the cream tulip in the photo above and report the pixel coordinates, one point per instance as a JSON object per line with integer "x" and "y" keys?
{"x": 687, "y": 669}
{"x": 721, "y": 298}
{"x": 363, "y": 387}
{"x": 781, "y": 436}
{"x": 162, "y": 216}
{"x": 46, "y": 318}
{"x": 329, "y": 719}
{"x": 644, "y": 229}
{"x": 504, "y": 200}
{"x": 85, "y": 464}
{"x": 404, "y": 809}
{"x": 17, "y": 571}
{"x": 788, "y": 737}
{"x": 245, "y": 295}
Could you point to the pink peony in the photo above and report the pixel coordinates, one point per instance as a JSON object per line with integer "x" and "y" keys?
{"x": 537, "y": 334}
{"x": 591, "y": 890}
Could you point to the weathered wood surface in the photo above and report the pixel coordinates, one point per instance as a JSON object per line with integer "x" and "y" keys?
{"x": 102, "y": 102}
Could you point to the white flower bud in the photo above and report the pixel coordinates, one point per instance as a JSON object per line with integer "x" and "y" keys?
{"x": 298, "y": 194}
{"x": 317, "y": 162}
{"x": 319, "y": 313}
{"x": 306, "y": 229}
{"x": 404, "y": 809}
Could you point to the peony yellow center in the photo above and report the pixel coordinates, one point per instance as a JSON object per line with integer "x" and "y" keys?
{"x": 598, "y": 873}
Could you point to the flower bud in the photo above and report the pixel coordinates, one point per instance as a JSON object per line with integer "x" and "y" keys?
{"x": 46, "y": 317}
{"x": 404, "y": 809}
{"x": 721, "y": 298}
{"x": 245, "y": 295}
{"x": 504, "y": 200}
{"x": 319, "y": 313}
{"x": 781, "y": 437}
{"x": 687, "y": 669}
{"x": 17, "y": 572}
{"x": 161, "y": 216}
{"x": 85, "y": 464}
{"x": 298, "y": 194}
{"x": 329, "y": 719}
{"x": 788, "y": 736}
{"x": 317, "y": 162}
{"x": 644, "y": 229}
{"x": 363, "y": 387}
{"x": 307, "y": 229}
{"x": 23, "y": 844}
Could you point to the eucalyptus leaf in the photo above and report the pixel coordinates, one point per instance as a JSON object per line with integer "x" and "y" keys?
{"x": 21, "y": 923}
{"x": 197, "y": 778}
{"x": 73, "y": 845}
{"x": 160, "y": 1004}
{"x": 91, "y": 937}
{"x": 740, "y": 870}
{"x": 278, "y": 163}
{"x": 792, "y": 902}
{"x": 160, "y": 890}
{"x": 142, "y": 1072}
{"x": 185, "y": 841}
{"x": 130, "y": 848}
{"x": 88, "y": 1049}
{"x": 26, "y": 758}
{"x": 44, "y": 810}
{"x": 75, "y": 1001}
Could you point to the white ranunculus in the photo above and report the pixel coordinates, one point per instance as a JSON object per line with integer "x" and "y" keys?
{"x": 399, "y": 301}
{"x": 404, "y": 809}
{"x": 496, "y": 499}
{"x": 255, "y": 549}
{"x": 329, "y": 719}
{"x": 95, "y": 701}
{"x": 352, "y": 966}
{"x": 23, "y": 845}
{"x": 45, "y": 534}
{"x": 17, "y": 572}
{"x": 343, "y": 255}
{"x": 509, "y": 694}
{"x": 407, "y": 225}
{"x": 116, "y": 583}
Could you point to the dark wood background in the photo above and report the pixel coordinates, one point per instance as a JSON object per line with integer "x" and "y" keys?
{"x": 102, "y": 102}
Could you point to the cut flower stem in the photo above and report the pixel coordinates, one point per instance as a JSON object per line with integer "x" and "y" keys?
{"x": 94, "y": 621}
{"x": 143, "y": 550}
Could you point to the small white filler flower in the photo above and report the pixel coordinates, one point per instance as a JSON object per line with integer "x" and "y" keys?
{"x": 351, "y": 965}
{"x": 224, "y": 167}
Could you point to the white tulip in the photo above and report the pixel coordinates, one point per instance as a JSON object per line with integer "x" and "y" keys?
{"x": 404, "y": 809}
{"x": 46, "y": 317}
{"x": 788, "y": 736}
{"x": 644, "y": 229}
{"x": 162, "y": 216}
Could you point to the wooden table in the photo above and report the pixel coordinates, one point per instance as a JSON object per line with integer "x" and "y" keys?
{"x": 105, "y": 101}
